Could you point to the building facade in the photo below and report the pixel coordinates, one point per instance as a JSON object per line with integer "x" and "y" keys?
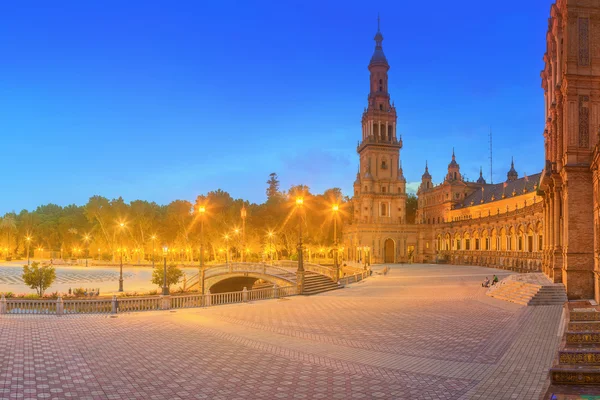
{"x": 378, "y": 231}
{"x": 547, "y": 222}
{"x": 571, "y": 83}
{"x": 464, "y": 222}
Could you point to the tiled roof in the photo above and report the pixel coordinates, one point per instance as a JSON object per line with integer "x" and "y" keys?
{"x": 496, "y": 190}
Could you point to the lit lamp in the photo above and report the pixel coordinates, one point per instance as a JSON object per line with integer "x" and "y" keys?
{"x": 121, "y": 227}
{"x": 86, "y": 239}
{"x": 243, "y": 215}
{"x": 335, "y": 208}
{"x": 28, "y": 239}
{"x": 226, "y": 248}
{"x": 201, "y": 211}
{"x": 153, "y": 246}
{"x": 300, "y": 272}
{"x": 165, "y": 289}
{"x": 270, "y": 235}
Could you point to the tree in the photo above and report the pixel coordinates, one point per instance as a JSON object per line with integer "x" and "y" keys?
{"x": 273, "y": 188}
{"x": 8, "y": 224}
{"x": 38, "y": 278}
{"x": 174, "y": 274}
{"x": 411, "y": 208}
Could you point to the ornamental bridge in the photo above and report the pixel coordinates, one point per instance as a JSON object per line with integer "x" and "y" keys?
{"x": 236, "y": 276}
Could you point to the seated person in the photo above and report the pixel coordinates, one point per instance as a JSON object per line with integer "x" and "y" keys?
{"x": 495, "y": 280}
{"x": 486, "y": 283}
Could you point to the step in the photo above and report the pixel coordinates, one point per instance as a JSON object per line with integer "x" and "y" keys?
{"x": 582, "y": 337}
{"x": 311, "y": 292}
{"x": 566, "y": 374}
{"x": 591, "y": 315}
{"x": 580, "y": 355}
{"x": 578, "y": 326}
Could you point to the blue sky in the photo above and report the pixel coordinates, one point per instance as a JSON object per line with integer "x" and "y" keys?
{"x": 162, "y": 100}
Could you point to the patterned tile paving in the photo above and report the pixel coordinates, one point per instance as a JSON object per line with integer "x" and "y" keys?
{"x": 402, "y": 336}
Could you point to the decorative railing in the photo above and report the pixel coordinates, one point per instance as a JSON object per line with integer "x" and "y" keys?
{"x": 327, "y": 270}
{"x": 22, "y": 306}
{"x": 126, "y": 304}
{"x": 116, "y": 305}
{"x": 96, "y": 306}
{"x": 353, "y": 278}
{"x": 490, "y": 218}
{"x": 520, "y": 261}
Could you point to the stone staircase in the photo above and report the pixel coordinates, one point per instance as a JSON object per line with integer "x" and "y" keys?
{"x": 578, "y": 361}
{"x": 529, "y": 290}
{"x": 316, "y": 283}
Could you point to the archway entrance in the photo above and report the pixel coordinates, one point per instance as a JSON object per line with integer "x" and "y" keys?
{"x": 389, "y": 251}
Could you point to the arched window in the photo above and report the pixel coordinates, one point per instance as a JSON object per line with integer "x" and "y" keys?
{"x": 381, "y": 107}
{"x": 383, "y": 210}
{"x": 383, "y": 189}
{"x": 366, "y": 188}
{"x": 455, "y": 175}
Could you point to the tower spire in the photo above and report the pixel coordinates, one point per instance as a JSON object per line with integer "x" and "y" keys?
{"x": 378, "y": 22}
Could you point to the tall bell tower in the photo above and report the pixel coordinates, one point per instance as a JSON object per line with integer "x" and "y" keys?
{"x": 380, "y": 188}
{"x": 378, "y": 232}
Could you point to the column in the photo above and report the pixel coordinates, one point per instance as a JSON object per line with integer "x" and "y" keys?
{"x": 557, "y": 249}
{"x": 386, "y": 130}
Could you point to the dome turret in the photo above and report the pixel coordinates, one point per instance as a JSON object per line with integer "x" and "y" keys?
{"x": 481, "y": 180}
{"x": 512, "y": 174}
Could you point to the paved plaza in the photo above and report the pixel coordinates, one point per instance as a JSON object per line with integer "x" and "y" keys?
{"x": 421, "y": 332}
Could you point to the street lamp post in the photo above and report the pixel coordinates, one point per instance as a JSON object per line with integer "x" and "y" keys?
{"x": 28, "y": 239}
{"x": 165, "y": 288}
{"x": 153, "y": 249}
{"x": 270, "y": 234}
{"x": 243, "y": 214}
{"x": 121, "y": 226}
{"x": 201, "y": 210}
{"x": 300, "y": 272}
{"x": 86, "y": 239}
{"x": 336, "y": 265}
{"x": 226, "y": 249}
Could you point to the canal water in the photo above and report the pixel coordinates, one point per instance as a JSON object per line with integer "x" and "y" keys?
{"x": 105, "y": 278}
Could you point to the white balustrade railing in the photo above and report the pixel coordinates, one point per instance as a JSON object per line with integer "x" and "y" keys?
{"x": 22, "y": 306}
{"x": 125, "y": 304}
{"x": 128, "y": 304}
{"x": 354, "y": 278}
{"x": 189, "y": 301}
{"x": 96, "y": 306}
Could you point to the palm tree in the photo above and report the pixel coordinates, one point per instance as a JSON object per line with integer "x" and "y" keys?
{"x": 8, "y": 224}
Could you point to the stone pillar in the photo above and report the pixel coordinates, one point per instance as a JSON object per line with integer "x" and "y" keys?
{"x": 300, "y": 282}
{"x": 207, "y": 298}
{"x": 165, "y": 302}
{"x": 578, "y": 259}
{"x": 60, "y": 306}
{"x": 245, "y": 294}
{"x": 3, "y": 307}
{"x": 275, "y": 291}
{"x": 557, "y": 259}
{"x": 114, "y": 305}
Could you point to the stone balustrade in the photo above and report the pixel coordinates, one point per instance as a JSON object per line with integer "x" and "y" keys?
{"x": 520, "y": 261}
{"x": 116, "y": 304}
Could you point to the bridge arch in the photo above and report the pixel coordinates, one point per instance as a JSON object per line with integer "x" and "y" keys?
{"x": 245, "y": 279}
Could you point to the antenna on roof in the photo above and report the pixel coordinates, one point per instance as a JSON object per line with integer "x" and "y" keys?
{"x": 491, "y": 170}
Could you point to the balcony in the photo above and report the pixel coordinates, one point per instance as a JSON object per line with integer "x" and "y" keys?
{"x": 518, "y": 261}
{"x": 376, "y": 140}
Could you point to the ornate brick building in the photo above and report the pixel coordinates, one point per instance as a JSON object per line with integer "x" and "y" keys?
{"x": 378, "y": 232}
{"x": 479, "y": 223}
{"x": 571, "y": 83}
{"x": 549, "y": 221}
